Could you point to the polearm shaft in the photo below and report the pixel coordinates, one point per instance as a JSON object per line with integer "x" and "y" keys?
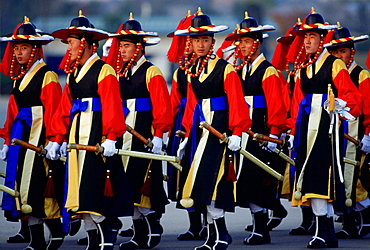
{"x": 2, "y": 174}
{"x": 259, "y": 137}
{"x": 353, "y": 140}
{"x": 148, "y": 143}
{"x": 39, "y": 150}
{"x": 224, "y": 139}
{"x": 98, "y": 149}
{"x": 9, "y": 190}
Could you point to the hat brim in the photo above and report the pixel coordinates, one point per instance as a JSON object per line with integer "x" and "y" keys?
{"x": 210, "y": 31}
{"x": 152, "y": 41}
{"x": 44, "y": 39}
{"x": 301, "y": 31}
{"x": 285, "y": 39}
{"x": 237, "y": 36}
{"x": 355, "y": 40}
{"x": 64, "y": 33}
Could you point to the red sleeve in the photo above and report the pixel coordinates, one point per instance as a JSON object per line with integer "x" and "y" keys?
{"x": 239, "y": 119}
{"x": 276, "y": 109}
{"x": 160, "y": 99}
{"x": 175, "y": 95}
{"x": 113, "y": 119}
{"x": 347, "y": 90}
{"x": 11, "y": 114}
{"x": 364, "y": 87}
{"x": 61, "y": 119}
{"x": 296, "y": 100}
{"x": 187, "y": 120}
{"x": 50, "y": 97}
{"x": 285, "y": 90}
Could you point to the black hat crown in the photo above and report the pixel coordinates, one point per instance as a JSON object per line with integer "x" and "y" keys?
{"x": 27, "y": 28}
{"x": 81, "y": 21}
{"x": 131, "y": 24}
{"x": 314, "y": 18}
{"x": 200, "y": 20}
{"x": 248, "y": 22}
{"x": 341, "y": 33}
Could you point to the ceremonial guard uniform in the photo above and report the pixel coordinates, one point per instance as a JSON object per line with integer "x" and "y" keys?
{"x": 89, "y": 113}
{"x": 180, "y": 52}
{"x": 262, "y": 90}
{"x": 215, "y": 96}
{"x": 33, "y": 101}
{"x": 341, "y": 45}
{"x": 147, "y": 108}
{"x": 317, "y": 132}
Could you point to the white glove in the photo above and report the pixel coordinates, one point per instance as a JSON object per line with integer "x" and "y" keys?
{"x": 52, "y": 150}
{"x": 181, "y": 149}
{"x": 4, "y": 152}
{"x": 109, "y": 147}
{"x": 366, "y": 144}
{"x": 271, "y": 146}
{"x": 291, "y": 141}
{"x": 340, "y": 108}
{"x": 157, "y": 145}
{"x": 63, "y": 149}
{"x": 234, "y": 142}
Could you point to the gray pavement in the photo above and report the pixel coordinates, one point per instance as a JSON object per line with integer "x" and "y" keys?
{"x": 175, "y": 221}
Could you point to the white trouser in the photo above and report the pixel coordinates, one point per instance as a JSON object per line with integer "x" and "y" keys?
{"x": 214, "y": 213}
{"x": 321, "y": 207}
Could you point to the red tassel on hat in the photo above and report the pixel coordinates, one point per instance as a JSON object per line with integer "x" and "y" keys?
{"x": 49, "y": 188}
{"x": 224, "y": 45}
{"x": 145, "y": 189}
{"x": 231, "y": 176}
{"x": 329, "y": 36}
{"x": 112, "y": 57}
{"x": 108, "y": 191}
{"x": 178, "y": 43}
{"x": 295, "y": 48}
{"x": 368, "y": 60}
{"x": 279, "y": 58}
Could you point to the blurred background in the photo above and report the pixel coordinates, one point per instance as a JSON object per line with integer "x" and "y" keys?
{"x": 163, "y": 16}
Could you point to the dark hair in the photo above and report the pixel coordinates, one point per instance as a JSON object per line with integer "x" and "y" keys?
{"x": 88, "y": 37}
{"x": 254, "y": 35}
{"x": 132, "y": 39}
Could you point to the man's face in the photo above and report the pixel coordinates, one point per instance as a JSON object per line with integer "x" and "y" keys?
{"x": 342, "y": 53}
{"x": 22, "y": 52}
{"x": 201, "y": 45}
{"x": 73, "y": 47}
{"x": 127, "y": 50}
{"x": 246, "y": 44}
{"x": 311, "y": 42}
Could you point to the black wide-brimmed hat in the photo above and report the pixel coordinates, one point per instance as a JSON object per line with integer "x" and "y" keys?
{"x": 27, "y": 32}
{"x": 247, "y": 26}
{"x": 313, "y": 22}
{"x": 132, "y": 27}
{"x": 201, "y": 25}
{"x": 342, "y": 36}
{"x": 289, "y": 37}
{"x": 80, "y": 25}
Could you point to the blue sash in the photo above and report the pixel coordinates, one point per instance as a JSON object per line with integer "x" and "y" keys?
{"x": 217, "y": 103}
{"x": 177, "y": 126}
{"x": 141, "y": 104}
{"x": 258, "y": 101}
{"x": 81, "y": 106}
{"x": 22, "y": 120}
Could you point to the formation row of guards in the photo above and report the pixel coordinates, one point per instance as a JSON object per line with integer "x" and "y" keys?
{"x": 296, "y": 138}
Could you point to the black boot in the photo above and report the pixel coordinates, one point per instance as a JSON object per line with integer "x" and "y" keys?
{"x": 140, "y": 237}
{"x": 195, "y": 229}
{"x": 211, "y": 238}
{"x": 37, "y": 237}
{"x": 307, "y": 226}
{"x": 365, "y": 222}
{"x": 56, "y": 233}
{"x": 277, "y": 215}
{"x": 260, "y": 234}
{"x": 93, "y": 240}
{"x": 155, "y": 229}
{"x": 223, "y": 238}
{"x": 23, "y": 236}
{"x": 83, "y": 241}
{"x": 129, "y": 232}
{"x": 108, "y": 230}
{"x": 324, "y": 235}
{"x": 349, "y": 230}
